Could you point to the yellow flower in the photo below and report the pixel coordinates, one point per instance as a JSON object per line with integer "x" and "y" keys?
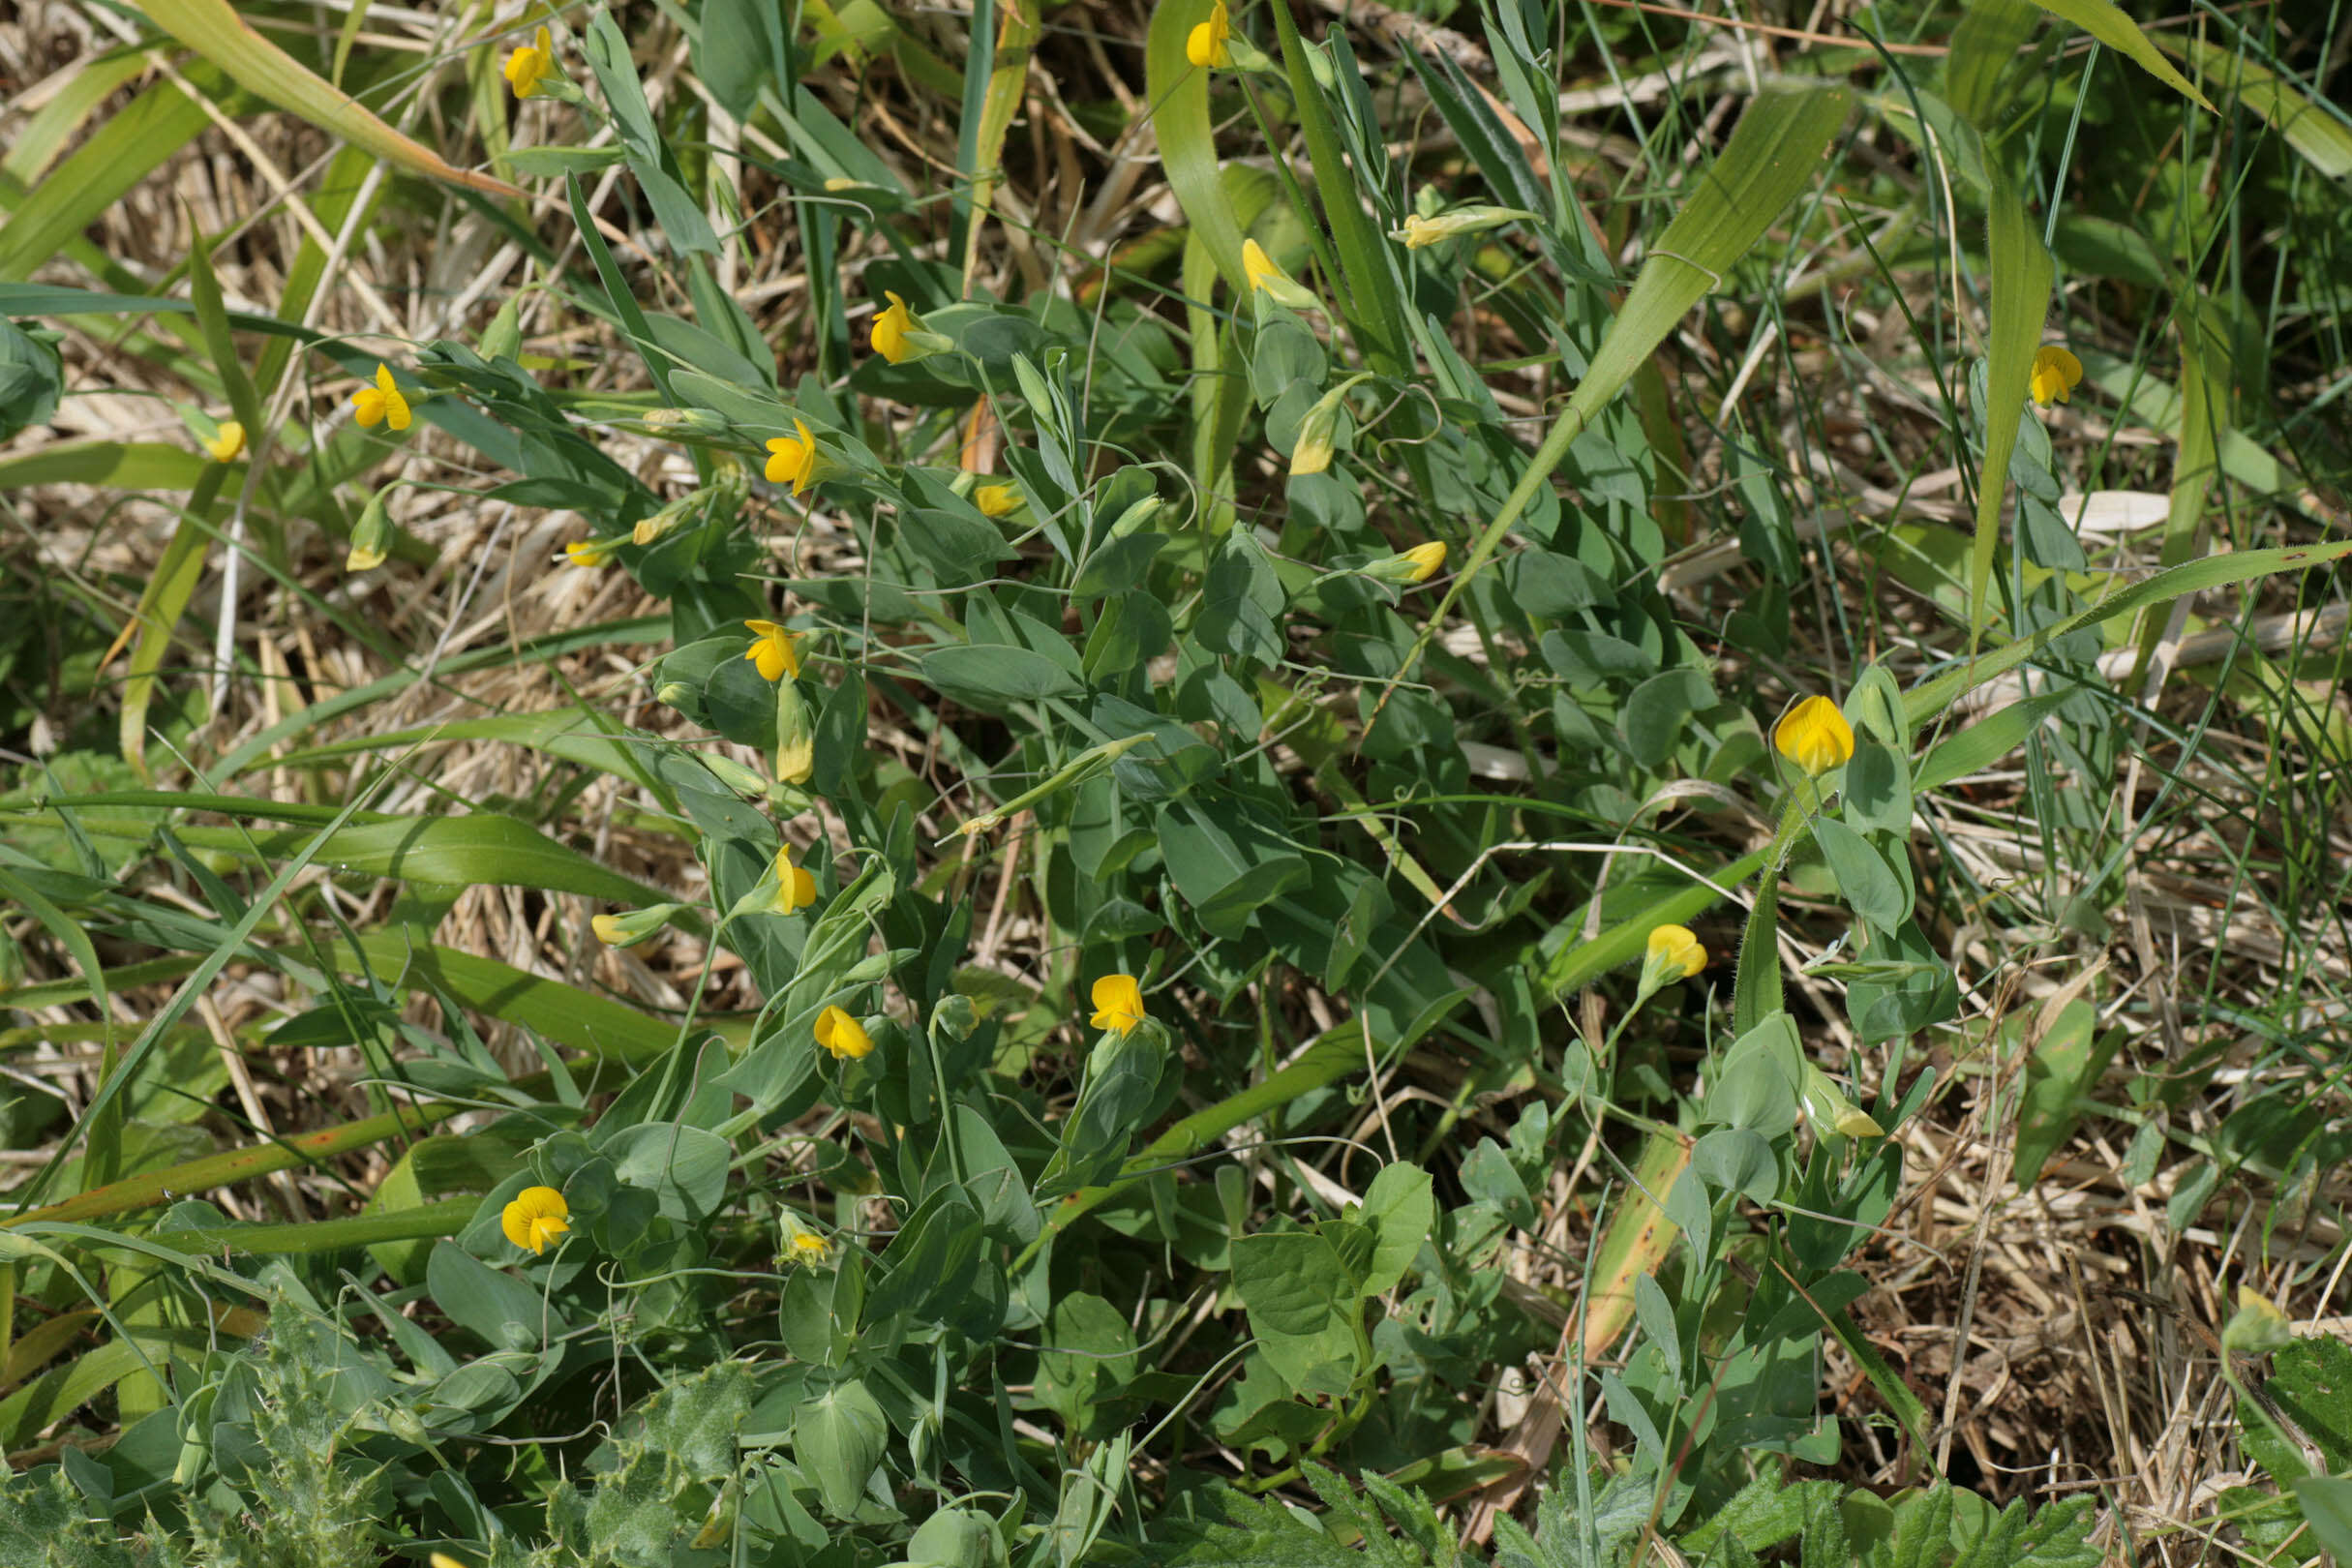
{"x": 890, "y": 329}
{"x": 530, "y": 65}
{"x": 1428, "y": 560}
{"x": 996, "y": 500}
{"x": 1118, "y": 1003}
{"x": 442, "y": 1559}
{"x": 1266, "y": 276}
{"x": 537, "y": 1216}
{"x": 610, "y": 931}
{"x": 380, "y": 403}
{"x": 1419, "y": 231}
{"x": 1674, "y": 954}
{"x": 2056, "y": 372}
{"x": 793, "y": 458}
{"x": 842, "y": 1035}
{"x": 773, "y": 650}
{"x": 796, "y": 889}
{"x": 805, "y": 1245}
{"x": 229, "y": 444}
{"x": 1205, "y": 44}
{"x": 1815, "y": 735}
{"x": 591, "y": 554}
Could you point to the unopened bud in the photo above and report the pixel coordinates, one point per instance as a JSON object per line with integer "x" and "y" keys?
{"x": 628, "y": 929}
{"x": 373, "y": 535}
{"x": 795, "y": 734}
{"x": 1319, "y": 431}
{"x": 686, "y": 422}
{"x": 1419, "y": 231}
{"x": 735, "y": 775}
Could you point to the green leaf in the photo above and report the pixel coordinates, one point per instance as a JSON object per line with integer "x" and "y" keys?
{"x": 498, "y": 1309}
{"x": 1179, "y": 93}
{"x": 2021, "y": 275}
{"x": 839, "y": 1438}
{"x": 1401, "y": 1207}
{"x": 1869, "y": 888}
{"x": 991, "y": 676}
{"x": 2066, "y": 1062}
{"x": 2122, "y": 34}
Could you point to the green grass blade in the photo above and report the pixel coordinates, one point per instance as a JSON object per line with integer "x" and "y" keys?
{"x": 2021, "y": 277}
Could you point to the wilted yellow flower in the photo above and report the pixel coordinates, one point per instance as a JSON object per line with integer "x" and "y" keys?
{"x": 537, "y": 1216}
{"x": 1674, "y": 954}
{"x": 796, "y": 889}
{"x": 1428, "y": 560}
{"x": 803, "y": 1245}
{"x": 532, "y": 64}
{"x": 1815, "y": 735}
{"x": 1419, "y": 231}
{"x": 229, "y": 444}
{"x": 842, "y": 1035}
{"x": 890, "y": 329}
{"x": 773, "y": 650}
{"x": 996, "y": 500}
{"x": 380, "y": 403}
{"x": 591, "y": 554}
{"x": 1205, "y": 46}
{"x": 793, "y": 458}
{"x": 2056, "y": 373}
{"x": 1118, "y": 1003}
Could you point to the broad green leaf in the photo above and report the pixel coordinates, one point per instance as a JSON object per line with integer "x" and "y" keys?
{"x": 1401, "y": 1207}
{"x": 840, "y": 1436}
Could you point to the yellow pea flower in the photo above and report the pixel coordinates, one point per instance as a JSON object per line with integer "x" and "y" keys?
{"x": 442, "y": 1559}
{"x": 537, "y": 1216}
{"x": 2056, "y": 373}
{"x": 996, "y": 500}
{"x": 229, "y": 444}
{"x": 796, "y": 889}
{"x": 773, "y": 650}
{"x": 1205, "y": 46}
{"x": 1429, "y": 560}
{"x": 1674, "y": 954}
{"x": 380, "y": 403}
{"x": 530, "y": 65}
{"x": 1815, "y": 735}
{"x": 1266, "y": 276}
{"x": 1118, "y": 1003}
{"x": 591, "y": 554}
{"x": 842, "y": 1035}
{"x": 890, "y": 329}
{"x": 1418, "y": 231}
{"x": 793, "y": 458}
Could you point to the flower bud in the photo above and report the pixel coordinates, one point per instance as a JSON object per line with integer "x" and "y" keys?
{"x": 629, "y": 929}
{"x": 676, "y": 694}
{"x": 1319, "y": 431}
{"x": 373, "y": 535}
{"x": 650, "y": 529}
{"x": 795, "y": 734}
{"x": 736, "y": 776}
{"x": 686, "y": 422}
{"x": 1419, "y": 231}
